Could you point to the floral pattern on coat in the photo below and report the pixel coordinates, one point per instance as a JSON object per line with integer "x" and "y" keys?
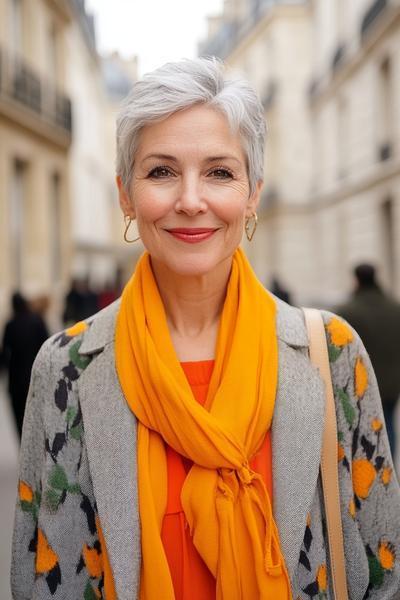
{"x": 366, "y": 474}
{"x": 57, "y": 546}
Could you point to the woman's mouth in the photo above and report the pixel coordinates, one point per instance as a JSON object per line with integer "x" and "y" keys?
{"x": 191, "y": 235}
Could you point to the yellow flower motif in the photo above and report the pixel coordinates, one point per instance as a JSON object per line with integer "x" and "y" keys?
{"x": 322, "y": 578}
{"x": 364, "y": 475}
{"x": 386, "y": 555}
{"x": 25, "y": 492}
{"x": 352, "y": 508}
{"x": 386, "y": 475}
{"x": 340, "y": 333}
{"x": 93, "y": 561}
{"x": 76, "y": 329}
{"x": 360, "y": 378}
{"x": 46, "y": 558}
{"x": 376, "y": 425}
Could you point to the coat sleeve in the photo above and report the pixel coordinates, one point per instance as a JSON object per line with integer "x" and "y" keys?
{"x": 370, "y": 494}
{"x": 32, "y": 458}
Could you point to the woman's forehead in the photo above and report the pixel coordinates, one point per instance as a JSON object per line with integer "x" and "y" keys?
{"x": 199, "y": 130}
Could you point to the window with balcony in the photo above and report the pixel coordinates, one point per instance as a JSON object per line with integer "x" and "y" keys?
{"x": 385, "y": 110}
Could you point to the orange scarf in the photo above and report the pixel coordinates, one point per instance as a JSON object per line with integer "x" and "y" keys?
{"x": 226, "y": 503}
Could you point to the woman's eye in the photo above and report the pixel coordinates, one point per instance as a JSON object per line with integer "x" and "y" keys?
{"x": 160, "y": 173}
{"x": 221, "y": 173}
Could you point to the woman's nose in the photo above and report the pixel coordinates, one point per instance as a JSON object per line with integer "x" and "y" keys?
{"x": 190, "y": 198}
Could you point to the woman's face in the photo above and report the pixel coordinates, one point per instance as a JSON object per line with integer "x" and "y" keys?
{"x": 190, "y": 192}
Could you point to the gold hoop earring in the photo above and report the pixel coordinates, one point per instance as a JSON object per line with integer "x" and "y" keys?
{"x": 250, "y": 229}
{"x": 128, "y": 220}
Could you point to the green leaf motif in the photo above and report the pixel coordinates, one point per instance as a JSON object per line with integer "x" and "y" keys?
{"x": 348, "y": 408}
{"x": 76, "y": 432}
{"x": 52, "y": 499}
{"x": 27, "y": 507}
{"x": 71, "y": 414}
{"x": 77, "y": 359}
{"x": 334, "y": 352}
{"x": 58, "y": 478}
{"x": 376, "y": 572}
{"x": 89, "y": 593}
{"x": 74, "y": 488}
{"x": 340, "y": 436}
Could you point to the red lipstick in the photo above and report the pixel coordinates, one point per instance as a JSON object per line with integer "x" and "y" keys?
{"x": 192, "y": 235}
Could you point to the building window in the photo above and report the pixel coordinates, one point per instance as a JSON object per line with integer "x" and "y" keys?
{"x": 52, "y": 54}
{"x": 55, "y": 227}
{"x": 16, "y": 25}
{"x": 389, "y": 255}
{"x": 16, "y": 231}
{"x": 385, "y": 110}
{"x": 342, "y": 131}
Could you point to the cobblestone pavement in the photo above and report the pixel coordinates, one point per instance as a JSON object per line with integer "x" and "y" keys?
{"x": 8, "y": 486}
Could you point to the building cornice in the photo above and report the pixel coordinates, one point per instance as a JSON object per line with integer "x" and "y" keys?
{"x": 325, "y": 88}
{"x": 377, "y": 176}
{"x": 275, "y": 13}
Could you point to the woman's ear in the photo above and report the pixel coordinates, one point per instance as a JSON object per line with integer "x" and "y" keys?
{"x": 254, "y": 199}
{"x": 125, "y": 201}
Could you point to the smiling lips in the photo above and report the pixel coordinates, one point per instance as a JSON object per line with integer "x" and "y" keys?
{"x": 191, "y": 235}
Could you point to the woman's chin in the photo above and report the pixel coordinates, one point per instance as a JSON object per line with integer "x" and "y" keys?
{"x": 192, "y": 266}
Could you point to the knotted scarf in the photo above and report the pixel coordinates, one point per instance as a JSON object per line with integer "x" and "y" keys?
{"x": 226, "y": 504}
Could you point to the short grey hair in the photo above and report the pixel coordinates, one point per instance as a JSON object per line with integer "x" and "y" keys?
{"x": 180, "y": 85}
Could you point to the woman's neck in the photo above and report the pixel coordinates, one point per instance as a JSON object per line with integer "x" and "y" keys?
{"x": 193, "y": 306}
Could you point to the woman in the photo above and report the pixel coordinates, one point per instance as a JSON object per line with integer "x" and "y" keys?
{"x": 128, "y": 486}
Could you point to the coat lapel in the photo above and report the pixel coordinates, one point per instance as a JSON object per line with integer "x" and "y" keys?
{"x": 296, "y": 433}
{"x": 110, "y": 434}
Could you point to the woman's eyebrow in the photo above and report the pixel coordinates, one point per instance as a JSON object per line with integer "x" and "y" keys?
{"x": 159, "y": 156}
{"x": 173, "y": 158}
{"x": 222, "y": 158}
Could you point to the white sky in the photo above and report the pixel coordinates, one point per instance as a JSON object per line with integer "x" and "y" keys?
{"x": 155, "y": 30}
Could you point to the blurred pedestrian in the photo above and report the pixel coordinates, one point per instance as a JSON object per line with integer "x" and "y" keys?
{"x": 73, "y": 303}
{"x": 23, "y": 336}
{"x": 107, "y": 295}
{"x": 376, "y": 318}
{"x": 80, "y": 302}
{"x": 280, "y": 291}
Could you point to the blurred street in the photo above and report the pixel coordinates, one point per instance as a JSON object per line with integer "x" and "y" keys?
{"x": 8, "y": 482}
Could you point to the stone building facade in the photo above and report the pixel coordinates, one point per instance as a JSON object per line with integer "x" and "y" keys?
{"x": 35, "y": 137}
{"x": 328, "y": 73}
{"x": 59, "y": 213}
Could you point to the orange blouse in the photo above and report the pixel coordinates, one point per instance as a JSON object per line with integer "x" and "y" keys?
{"x": 190, "y": 576}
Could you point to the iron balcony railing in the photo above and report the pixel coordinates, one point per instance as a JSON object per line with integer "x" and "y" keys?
{"x": 22, "y": 86}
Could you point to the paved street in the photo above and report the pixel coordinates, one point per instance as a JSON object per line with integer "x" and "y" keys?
{"x": 8, "y": 479}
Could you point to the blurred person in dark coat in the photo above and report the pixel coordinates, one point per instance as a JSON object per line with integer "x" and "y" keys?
{"x": 23, "y": 336}
{"x": 80, "y": 302}
{"x": 376, "y": 318}
{"x": 279, "y": 291}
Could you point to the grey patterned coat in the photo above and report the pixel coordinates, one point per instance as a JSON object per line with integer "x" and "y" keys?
{"x": 78, "y": 468}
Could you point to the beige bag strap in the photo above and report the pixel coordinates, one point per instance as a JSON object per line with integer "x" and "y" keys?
{"x": 329, "y": 457}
